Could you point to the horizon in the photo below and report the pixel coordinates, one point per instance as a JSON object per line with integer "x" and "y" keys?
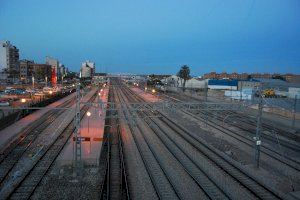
{"x": 248, "y": 36}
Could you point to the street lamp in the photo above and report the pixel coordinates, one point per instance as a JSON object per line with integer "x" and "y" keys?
{"x": 50, "y": 92}
{"x": 33, "y": 82}
{"x": 88, "y": 114}
{"x": 62, "y": 81}
{"x": 23, "y": 100}
{"x": 153, "y": 91}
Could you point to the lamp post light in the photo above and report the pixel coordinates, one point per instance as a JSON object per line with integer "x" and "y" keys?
{"x": 62, "y": 81}
{"x": 32, "y": 82}
{"x": 88, "y": 114}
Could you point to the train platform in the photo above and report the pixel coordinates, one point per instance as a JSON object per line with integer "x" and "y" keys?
{"x": 92, "y": 129}
{"x": 8, "y": 134}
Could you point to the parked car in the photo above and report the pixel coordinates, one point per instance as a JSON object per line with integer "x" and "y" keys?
{"x": 4, "y": 103}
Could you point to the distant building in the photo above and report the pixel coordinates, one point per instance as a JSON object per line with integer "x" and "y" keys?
{"x": 25, "y": 70}
{"x": 55, "y": 67}
{"x": 245, "y": 76}
{"x": 175, "y": 81}
{"x": 9, "y": 59}
{"x": 29, "y": 69}
{"x": 41, "y": 71}
{"x": 61, "y": 70}
{"x": 87, "y": 69}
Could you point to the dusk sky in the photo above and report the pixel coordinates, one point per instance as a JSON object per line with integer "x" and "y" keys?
{"x": 157, "y": 36}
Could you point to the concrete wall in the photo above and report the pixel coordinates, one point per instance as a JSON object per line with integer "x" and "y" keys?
{"x": 222, "y": 87}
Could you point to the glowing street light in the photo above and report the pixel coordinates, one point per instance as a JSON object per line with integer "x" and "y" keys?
{"x": 88, "y": 114}
{"x": 153, "y": 91}
{"x": 32, "y": 82}
{"x": 50, "y": 92}
{"x": 101, "y": 90}
{"x": 23, "y": 100}
{"x": 146, "y": 88}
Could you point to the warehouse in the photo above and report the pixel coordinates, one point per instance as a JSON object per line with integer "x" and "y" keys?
{"x": 223, "y": 84}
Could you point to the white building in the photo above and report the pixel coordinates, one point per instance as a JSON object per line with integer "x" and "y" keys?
{"x": 175, "y": 81}
{"x": 88, "y": 69}
{"x": 9, "y": 58}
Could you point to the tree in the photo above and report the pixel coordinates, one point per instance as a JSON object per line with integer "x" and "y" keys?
{"x": 184, "y": 74}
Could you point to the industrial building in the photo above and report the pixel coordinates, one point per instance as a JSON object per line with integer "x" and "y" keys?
{"x": 223, "y": 84}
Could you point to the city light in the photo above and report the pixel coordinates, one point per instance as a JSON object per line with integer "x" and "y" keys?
{"x": 153, "y": 91}
{"x": 101, "y": 90}
{"x": 23, "y": 100}
{"x": 146, "y": 88}
{"x": 50, "y": 92}
{"x": 137, "y": 84}
{"x": 88, "y": 113}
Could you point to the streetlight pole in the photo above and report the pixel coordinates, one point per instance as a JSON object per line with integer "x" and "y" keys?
{"x": 258, "y": 128}
{"x": 88, "y": 115}
{"x": 294, "y": 111}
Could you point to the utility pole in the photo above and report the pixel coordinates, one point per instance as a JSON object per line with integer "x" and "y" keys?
{"x": 206, "y": 90}
{"x": 77, "y": 150}
{"x": 258, "y": 128}
{"x": 241, "y": 91}
{"x": 294, "y": 112}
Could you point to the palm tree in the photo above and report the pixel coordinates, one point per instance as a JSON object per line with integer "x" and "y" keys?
{"x": 184, "y": 73}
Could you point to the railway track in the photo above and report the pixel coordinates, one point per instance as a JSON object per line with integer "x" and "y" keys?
{"x": 115, "y": 185}
{"x": 21, "y": 183}
{"x": 243, "y": 123}
{"x": 183, "y": 144}
{"x": 251, "y": 125}
{"x": 11, "y": 154}
{"x": 247, "y": 140}
{"x": 161, "y": 179}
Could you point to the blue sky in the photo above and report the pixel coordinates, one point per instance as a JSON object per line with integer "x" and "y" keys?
{"x": 154, "y": 36}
